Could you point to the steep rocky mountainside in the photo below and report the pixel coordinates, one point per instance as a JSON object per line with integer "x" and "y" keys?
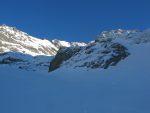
{"x": 110, "y": 48}
{"x": 63, "y": 55}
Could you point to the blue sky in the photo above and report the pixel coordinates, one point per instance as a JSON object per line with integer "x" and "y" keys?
{"x": 74, "y": 20}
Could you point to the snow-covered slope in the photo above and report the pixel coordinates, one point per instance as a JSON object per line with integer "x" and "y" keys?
{"x": 109, "y": 49}
{"x": 120, "y": 89}
{"x": 11, "y": 39}
{"x": 25, "y": 61}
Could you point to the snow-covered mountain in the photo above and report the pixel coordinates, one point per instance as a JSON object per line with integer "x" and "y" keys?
{"x": 108, "y": 75}
{"x": 21, "y": 50}
{"x": 12, "y": 39}
{"x": 109, "y": 49}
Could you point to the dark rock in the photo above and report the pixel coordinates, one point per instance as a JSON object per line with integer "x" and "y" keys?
{"x": 63, "y": 55}
{"x": 115, "y": 53}
{"x": 10, "y": 60}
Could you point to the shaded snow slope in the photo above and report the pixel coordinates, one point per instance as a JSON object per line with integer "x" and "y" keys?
{"x": 25, "y": 61}
{"x": 120, "y": 89}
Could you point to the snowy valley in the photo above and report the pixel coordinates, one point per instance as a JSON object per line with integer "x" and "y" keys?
{"x": 110, "y": 74}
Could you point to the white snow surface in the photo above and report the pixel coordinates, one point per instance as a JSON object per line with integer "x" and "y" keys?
{"x": 120, "y": 89}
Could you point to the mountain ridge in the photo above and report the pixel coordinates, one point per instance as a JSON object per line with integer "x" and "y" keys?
{"x": 12, "y": 39}
{"x": 23, "y": 51}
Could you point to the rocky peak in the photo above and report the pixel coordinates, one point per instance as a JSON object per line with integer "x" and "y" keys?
{"x": 113, "y": 34}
